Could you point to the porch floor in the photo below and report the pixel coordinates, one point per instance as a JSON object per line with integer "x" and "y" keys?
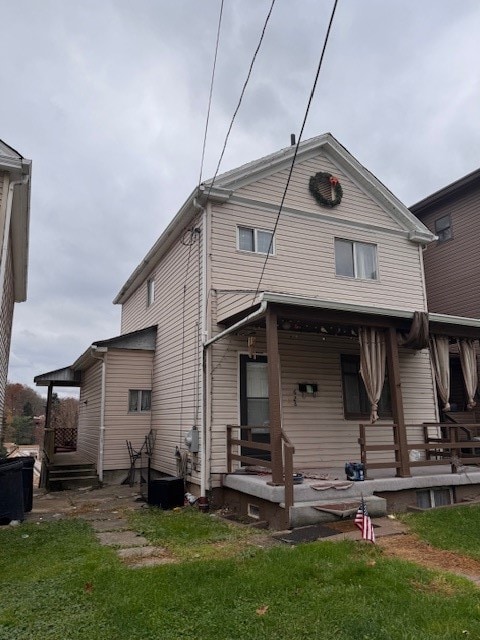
{"x": 68, "y": 458}
{"x": 422, "y": 478}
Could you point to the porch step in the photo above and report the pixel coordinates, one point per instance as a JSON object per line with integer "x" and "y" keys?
{"x": 305, "y": 513}
{"x": 72, "y": 476}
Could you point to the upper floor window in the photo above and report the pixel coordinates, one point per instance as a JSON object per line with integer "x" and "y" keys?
{"x": 443, "y": 228}
{"x": 356, "y": 259}
{"x": 139, "y": 400}
{"x": 255, "y": 240}
{"x": 150, "y": 291}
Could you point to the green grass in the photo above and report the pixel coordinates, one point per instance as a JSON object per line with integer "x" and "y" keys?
{"x": 454, "y": 529}
{"x": 58, "y": 583}
{"x": 189, "y": 534}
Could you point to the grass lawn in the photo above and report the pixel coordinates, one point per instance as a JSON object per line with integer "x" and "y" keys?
{"x": 455, "y": 529}
{"x": 57, "y": 582}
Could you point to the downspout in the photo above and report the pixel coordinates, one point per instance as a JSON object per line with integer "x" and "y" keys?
{"x": 202, "y": 392}
{"x": 101, "y": 443}
{"x": 6, "y": 232}
{"x": 238, "y": 325}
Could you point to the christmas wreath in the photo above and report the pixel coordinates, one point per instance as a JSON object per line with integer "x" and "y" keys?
{"x": 319, "y": 182}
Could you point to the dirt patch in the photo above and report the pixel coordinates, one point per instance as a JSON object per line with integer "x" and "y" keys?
{"x": 410, "y": 547}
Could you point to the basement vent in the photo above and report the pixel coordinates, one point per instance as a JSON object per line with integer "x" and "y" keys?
{"x": 253, "y": 511}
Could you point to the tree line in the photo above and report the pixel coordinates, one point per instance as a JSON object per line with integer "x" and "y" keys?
{"x": 24, "y": 414}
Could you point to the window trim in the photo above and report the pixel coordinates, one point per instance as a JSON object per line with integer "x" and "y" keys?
{"x": 139, "y": 393}
{"x": 352, "y": 357}
{"x": 255, "y": 241}
{"x": 355, "y": 243}
{"x": 449, "y": 227}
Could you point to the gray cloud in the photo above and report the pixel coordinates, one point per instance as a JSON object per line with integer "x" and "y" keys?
{"x": 109, "y": 101}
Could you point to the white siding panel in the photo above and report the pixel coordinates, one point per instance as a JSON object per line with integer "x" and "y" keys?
{"x": 89, "y": 413}
{"x": 304, "y": 261}
{"x": 126, "y": 369}
{"x": 355, "y": 202}
{"x": 176, "y": 310}
{"x": 316, "y": 425}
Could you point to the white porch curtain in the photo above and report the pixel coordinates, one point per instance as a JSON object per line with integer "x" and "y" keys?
{"x": 468, "y": 360}
{"x": 439, "y": 349}
{"x": 372, "y": 365}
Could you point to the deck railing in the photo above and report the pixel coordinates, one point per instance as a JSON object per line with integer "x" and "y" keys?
{"x": 235, "y": 443}
{"x": 454, "y": 444}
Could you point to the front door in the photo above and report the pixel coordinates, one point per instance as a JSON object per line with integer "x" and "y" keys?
{"x": 254, "y": 402}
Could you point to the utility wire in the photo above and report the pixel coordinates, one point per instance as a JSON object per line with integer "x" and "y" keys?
{"x": 211, "y": 92}
{"x": 241, "y": 95}
{"x": 312, "y": 92}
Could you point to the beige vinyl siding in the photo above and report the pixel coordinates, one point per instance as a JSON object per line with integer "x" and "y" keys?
{"x": 176, "y": 310}
{"x": 356, "y": 205}
{"x": 126, "y": 369}
{"x": 316, "y": 425}
{"x": 304, "y": 261}
{"x": 89, "y": 413}
{"x": 6, "y": 310}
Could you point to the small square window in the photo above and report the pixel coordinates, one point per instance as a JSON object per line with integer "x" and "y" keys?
{"x": 255, "y": 240}
{"x": 139, "y": 400}
{"x": 356, "y": 259}
{"x": 443, "y": 228}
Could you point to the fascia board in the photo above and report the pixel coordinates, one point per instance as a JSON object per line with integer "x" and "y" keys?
{"x": 20, "y": 230}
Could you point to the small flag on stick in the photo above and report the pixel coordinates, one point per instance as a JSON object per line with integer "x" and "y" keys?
{"x": 364, "y": 523}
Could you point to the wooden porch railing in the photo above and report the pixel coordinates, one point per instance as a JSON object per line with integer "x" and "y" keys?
{"x": 65, "y": 439}
{"x": 248, "y": 443}
{"x": 456, "y": 445}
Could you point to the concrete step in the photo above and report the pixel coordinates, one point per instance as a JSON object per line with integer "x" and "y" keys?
{"x": 305, "y": 513}
{"x": 71, "y": 473}
{"x": 62, "y": 483}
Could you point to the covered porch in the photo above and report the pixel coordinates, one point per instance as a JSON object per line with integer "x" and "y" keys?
{"x": 408, "y": 450}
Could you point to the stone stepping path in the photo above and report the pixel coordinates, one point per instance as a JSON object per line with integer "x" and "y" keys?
{"x": 133, "y": 549}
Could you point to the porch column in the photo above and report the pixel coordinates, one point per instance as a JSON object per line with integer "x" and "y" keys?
{"x": 48, "y": 439}
{"x": 393, "y": 365}
{"x": 275, "y": 419}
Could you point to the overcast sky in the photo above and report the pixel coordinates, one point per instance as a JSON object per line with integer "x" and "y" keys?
{"x": 108, "y": 99}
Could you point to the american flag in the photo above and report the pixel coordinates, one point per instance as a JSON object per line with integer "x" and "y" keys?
{"x": 364, "y": 523}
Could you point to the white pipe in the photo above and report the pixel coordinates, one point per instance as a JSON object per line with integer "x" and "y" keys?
{"x": 101, "y": 443}
{"x": 256, "y": 314}
{"x": 6, "y": 232}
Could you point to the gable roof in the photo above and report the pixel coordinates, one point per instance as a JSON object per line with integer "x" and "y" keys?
{"x": 226, "y": 183}
{"x": 451, "y": 190}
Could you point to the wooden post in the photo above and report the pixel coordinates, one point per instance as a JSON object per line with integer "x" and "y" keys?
{"x": 48, "y": 440}
{"x": 393, "y": 365}
{"x": 274, "y": 400}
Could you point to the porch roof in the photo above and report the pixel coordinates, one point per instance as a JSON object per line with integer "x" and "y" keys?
{"x": 143, "y": 339}
{"x": 455, "y": 326}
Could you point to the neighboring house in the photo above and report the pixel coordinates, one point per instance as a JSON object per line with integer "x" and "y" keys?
{"x": 452, "y": 263}
{"x": 274, "y": 345}
{"x": 15, "y": 173}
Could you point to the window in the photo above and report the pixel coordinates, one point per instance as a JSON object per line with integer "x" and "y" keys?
{"x": 435, "y": 497}
{"x": 139, "y": 400}
{"x": 355, "y": 259}
{"x": 355, "y": 399}
{"x": 443, "y": 228}
{"x": 150, "y": 291}
{"x": 255, "y": 240}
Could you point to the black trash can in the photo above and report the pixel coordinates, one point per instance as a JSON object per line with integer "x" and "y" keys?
{"x": 28, "y": 463}
{"x": 27, "y": 479}
{"x": 167, "y": 492}
{"x": 11, "y": 491}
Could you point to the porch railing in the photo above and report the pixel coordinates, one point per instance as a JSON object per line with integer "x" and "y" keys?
{"x": 234, "y": 453}
{"x": 65, "y": 439}
{"x": 455, "y": 445}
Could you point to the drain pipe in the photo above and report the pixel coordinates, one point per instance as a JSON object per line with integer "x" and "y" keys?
{"x": 6, "y": 231}
{"x": 238, "y": 325}
{"x": 101, "y": 443}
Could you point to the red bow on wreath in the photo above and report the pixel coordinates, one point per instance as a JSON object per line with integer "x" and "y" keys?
{"x": 333, "y": 181}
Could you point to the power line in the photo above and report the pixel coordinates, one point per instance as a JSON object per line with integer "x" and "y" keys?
{"x": 242, "y": 94}
{"x": 312, "y": 92}
{"x": 211, "y": 92}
